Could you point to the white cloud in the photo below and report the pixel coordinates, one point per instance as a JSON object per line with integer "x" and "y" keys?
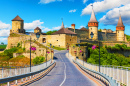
{"x": 46, "y": 29}
{"x": 47, "y": 1}
{"x": 112, "y": 16}
{"x": 56, "y": 28}
{"x": 70, "y": 11}
{"x": 84, "y": 1}
{"x": 3, "y": 40}
{"x": 102, "y": 6}
{"x": 82, "y": 26}
{"x": 33, "y": 25}
{"x": 4, "y": 32}
{"x": 4, "y": 25}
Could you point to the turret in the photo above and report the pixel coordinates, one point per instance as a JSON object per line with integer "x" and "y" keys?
{"x": 120, "y": 30}
{"x": 93, "y": 26}
{"x": 17, "y": 25}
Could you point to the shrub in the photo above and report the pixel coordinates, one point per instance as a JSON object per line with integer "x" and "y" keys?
{"x": 38, "y": 60}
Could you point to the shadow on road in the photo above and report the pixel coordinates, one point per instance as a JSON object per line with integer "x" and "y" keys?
{"x": 55, "y": 58}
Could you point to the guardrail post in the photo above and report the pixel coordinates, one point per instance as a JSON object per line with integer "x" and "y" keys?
{"x": 104, "y": 69}
{"x": 113, "y": 72}
{"x": 16, "y": 74}
{"x": 110, "y": 71}
{"x": 127, "y": 77}
{"x": 8, "y": 83}
{"x": 10, "y": 71}
{"x": 2, "y": 72}
{"x": 117, "y": 74}
{"x": 122, "y": 75}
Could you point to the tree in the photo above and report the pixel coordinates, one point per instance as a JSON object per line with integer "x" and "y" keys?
{"x": 50, "y": 32}
{"x": 2, "y": 43}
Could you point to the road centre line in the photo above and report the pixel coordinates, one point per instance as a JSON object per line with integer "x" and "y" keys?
{"x": 64, "y": 73}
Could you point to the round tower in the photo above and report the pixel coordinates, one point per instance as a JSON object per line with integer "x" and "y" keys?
{"x": 17, "y": 25}
{"x": 120, "y": 30}
{"x": 93, "y": 26}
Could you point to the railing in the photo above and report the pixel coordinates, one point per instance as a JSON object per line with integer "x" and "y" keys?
{"x": 26, "y": 75}
{"x": 10, "y": 72}
{"x": 118, "y": 73}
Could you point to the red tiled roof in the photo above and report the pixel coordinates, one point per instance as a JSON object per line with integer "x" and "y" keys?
{"x": 63, "y": 31}
{"x": 83, "y": 28}
{"x": 37, "y": 28}
{"x": 17, "y": 18}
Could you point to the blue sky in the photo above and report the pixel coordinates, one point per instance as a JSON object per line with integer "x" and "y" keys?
{"x": 47, "y": 14}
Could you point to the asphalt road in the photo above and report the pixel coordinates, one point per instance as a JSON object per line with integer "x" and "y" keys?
{"x": 64, "y": 74}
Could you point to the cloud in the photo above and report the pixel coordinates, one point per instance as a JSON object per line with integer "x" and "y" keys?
{"x": 47, "y": 1}
{"x": 46, "y": 29}
{"x": 82, "y": 26}
{"x": 71, "y": 11}
{"x": 4, "y": 32}
{"x": 56, "y": 28}
{"x": 4, "y": 25}
{"x": 33, "y": 25}
{"x": 84, "y": 1}
{"x": 3, "y": 40}
{"x": 112, "y": 16}
{"x": 102, "y": 6}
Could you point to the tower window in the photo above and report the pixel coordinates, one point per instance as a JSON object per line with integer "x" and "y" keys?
{"x": 70, "y": 39}
{"x": 57, "y": 40}
{"x": 91, "y": 28}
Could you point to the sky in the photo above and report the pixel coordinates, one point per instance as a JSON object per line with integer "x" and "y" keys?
{"x": 48, "y": 14}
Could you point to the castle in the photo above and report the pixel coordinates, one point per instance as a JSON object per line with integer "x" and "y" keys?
{"x": 68, "y": 36}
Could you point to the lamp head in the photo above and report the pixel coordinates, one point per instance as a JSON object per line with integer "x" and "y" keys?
{"x": 37, "y": 35}
{"x": 91, "y": 34}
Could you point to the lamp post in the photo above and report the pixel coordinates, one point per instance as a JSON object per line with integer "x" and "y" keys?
{"x": 46, "y": 55}
{"x": 51, "y": 52}
{"x": 37, "y": 35}
{"x": 99, "y": 48}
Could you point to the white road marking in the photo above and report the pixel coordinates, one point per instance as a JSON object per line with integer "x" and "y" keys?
{"x": 64, "y": 73}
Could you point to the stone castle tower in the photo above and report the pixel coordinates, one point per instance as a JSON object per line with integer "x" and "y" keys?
{"x": 120, "y": 30}
{"x": 17, "y": 25}
{"x": 93, "y": 26}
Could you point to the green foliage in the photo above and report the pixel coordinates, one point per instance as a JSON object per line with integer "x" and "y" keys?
{"x": 50, "y": 32}
{"x": 38, "y": 60}
{"x": 107, "y": 58}
{"x": 100, "y": 30}
{"x": 59, "y": 48}
{"x": 9, "y": 52}
{"x": 128, "y": 37}
{"x": 2, "y": 43}
{"x": 14, "y": 35}
{"x": 18, "y": 45}
{"x": 118, "y": 47}
{"x": 3, "y": 46}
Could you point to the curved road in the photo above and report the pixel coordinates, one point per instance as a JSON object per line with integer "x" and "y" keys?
{"x": 64, "y": 74}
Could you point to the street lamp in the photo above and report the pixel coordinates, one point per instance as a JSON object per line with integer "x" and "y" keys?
{"x": 99, "y": 48}
{"x": 51, "y": 51}
{"x": 37, "y": 35}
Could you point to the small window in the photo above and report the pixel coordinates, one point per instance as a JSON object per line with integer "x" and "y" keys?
{"x": 59, "y": 45}
{"x": 70, "y": 39}
{"x": 57, "y": 40}
{"x": 71, "y": 35}
{"x": 91, "y": 28}
{"x": 118, "y": 31}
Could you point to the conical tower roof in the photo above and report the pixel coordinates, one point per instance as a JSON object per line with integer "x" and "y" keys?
{"x": 17, "y": 18}
{"x": 120, "y": 23}
{"x": 93, "y": 18}
{"x": 62, "y": 25}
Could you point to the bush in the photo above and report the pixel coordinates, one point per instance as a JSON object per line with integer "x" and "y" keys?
{"x": 107, "y": 58}
{"x": 38, "y": 60}
{"x": 9, "y": 52}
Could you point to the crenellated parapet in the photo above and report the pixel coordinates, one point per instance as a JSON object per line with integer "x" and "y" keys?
{"x": 91, "y": 24}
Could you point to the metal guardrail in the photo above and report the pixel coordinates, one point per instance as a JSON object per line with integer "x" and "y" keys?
{"x": 118, "y": 73}
{"x": 9, "y": 79}
{"x": 9, "y": 72}
{"x": 102, "y": 77}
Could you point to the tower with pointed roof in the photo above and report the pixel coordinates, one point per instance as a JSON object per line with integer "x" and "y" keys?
{"x": 93, "y": 26}
{"x": 120, "y": 30}
{"x": 17, "y": 25}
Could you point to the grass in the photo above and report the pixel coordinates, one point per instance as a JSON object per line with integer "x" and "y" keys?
{"x": 14, "y": 35}
{"x": 3, "y": 46}
{"x": 59, "y": 48}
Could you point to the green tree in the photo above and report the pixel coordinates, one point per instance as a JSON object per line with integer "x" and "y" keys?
{"x": 2, "y": 43}
{"x": 38, "y": 60}
{"x": 50, "y": 32}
